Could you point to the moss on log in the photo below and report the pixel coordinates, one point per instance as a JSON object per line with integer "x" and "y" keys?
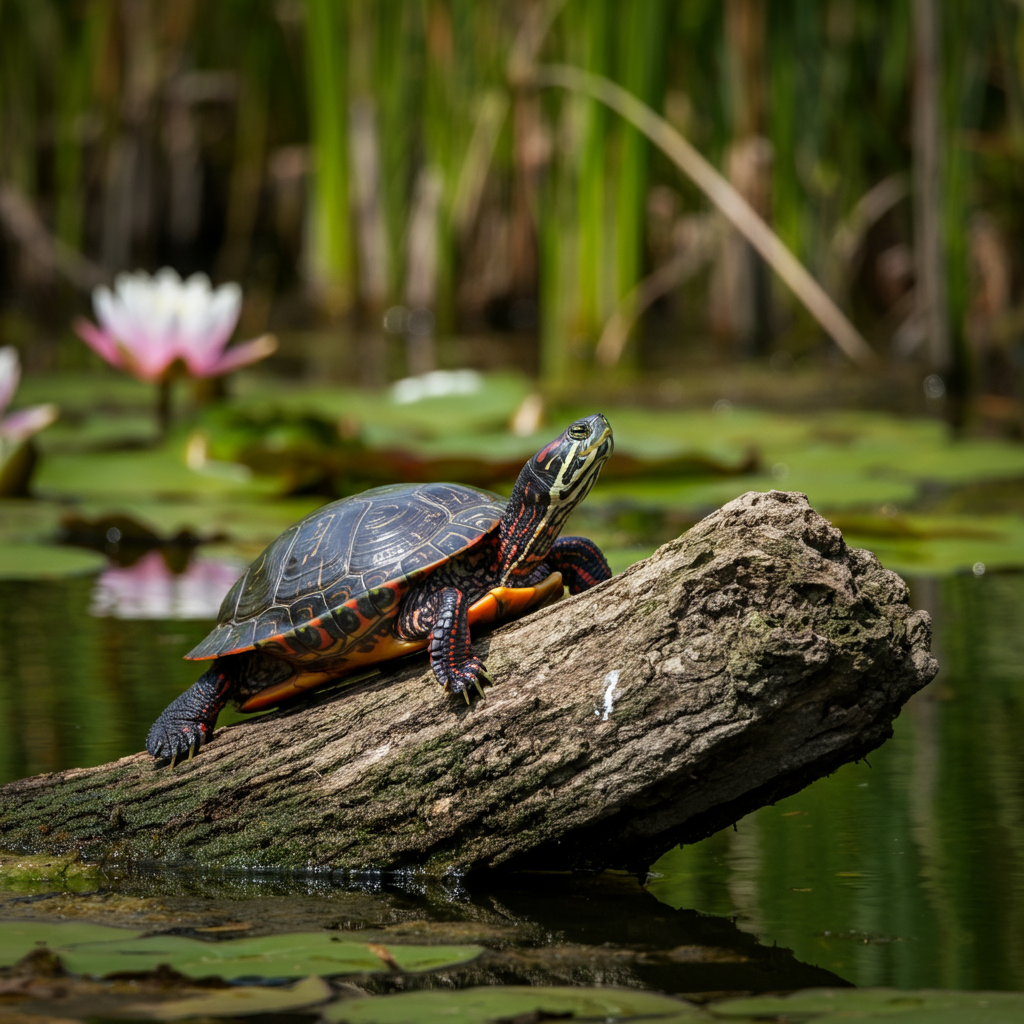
{"x": 737, "y": 664}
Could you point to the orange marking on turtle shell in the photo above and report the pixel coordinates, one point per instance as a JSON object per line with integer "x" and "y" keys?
{"x": 385, "y": 649}
{"x": 495, "y": 606}
{"x": 504, "y": 603}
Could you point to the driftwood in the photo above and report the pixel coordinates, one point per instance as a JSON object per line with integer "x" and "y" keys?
{"x": 739, "y": 663}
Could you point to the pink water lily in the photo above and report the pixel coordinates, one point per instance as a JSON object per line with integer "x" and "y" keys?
{"x": 21, "y": 425}
{"x": 149, "y": 323}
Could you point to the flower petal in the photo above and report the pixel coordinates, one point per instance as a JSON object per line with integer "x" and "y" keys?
{"x": 100, "y": 341}
{"x": 211, "y": 328}
{"x": 242, "y": 355}
{"x": 26, "y": 422}
{"x": 141, "y": 318}
{"x": 10, "y": 374}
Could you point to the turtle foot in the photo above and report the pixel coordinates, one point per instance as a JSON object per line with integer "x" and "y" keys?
{"x": 175, "y": 741}
{"x": 188, "y": 721}
{"x": 470, "y": 675}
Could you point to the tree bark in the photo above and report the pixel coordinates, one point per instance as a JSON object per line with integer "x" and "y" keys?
{"x": 739, "y": 663}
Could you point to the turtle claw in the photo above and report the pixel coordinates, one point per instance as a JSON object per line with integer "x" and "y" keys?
{"x": 465, "y": 693}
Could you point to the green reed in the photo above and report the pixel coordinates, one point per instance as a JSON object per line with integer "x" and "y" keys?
{"x": 541, "y": 195}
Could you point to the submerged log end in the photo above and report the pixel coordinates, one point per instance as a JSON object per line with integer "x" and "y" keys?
{"x": 740, "y": 662}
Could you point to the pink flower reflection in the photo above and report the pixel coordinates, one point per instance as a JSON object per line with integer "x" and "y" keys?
{"x": 148, "y": 323}
{"x": 149, "y": 590}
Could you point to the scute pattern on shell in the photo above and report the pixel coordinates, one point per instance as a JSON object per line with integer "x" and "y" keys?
{"x": 368, "y": 548}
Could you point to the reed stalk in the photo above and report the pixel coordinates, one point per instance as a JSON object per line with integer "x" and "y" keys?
{"x": 329, "y": 236}
{"x": 735, "y": 208}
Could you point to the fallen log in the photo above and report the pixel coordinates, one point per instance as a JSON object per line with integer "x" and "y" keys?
{"x": 737, "y": 664}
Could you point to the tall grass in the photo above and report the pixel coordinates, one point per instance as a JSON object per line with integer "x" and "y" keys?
{"x": 140, "y": 133}
{"x": 329, "y": 237}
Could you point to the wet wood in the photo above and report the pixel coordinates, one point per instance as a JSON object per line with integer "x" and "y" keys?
{"x": 739, "y": 663}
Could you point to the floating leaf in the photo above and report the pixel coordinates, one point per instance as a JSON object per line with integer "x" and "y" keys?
{"x": 910, "y": 1007}
{"x": 24, "y": 520}
{"x": 240, "y": 1000}
{"x": 942, "y": 544}
{"x": 20, "y": 937}
{"x": 46, "y": 561}
{"x": 279, "y": 956}
{"x": 480, "y": 1005}
{"x": 147, "y": 473}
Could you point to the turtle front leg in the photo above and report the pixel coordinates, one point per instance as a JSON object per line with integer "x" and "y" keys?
{"x": 188, "y": 721}
{"x": 443, "y": 617}
{"x": 580, "y": 562}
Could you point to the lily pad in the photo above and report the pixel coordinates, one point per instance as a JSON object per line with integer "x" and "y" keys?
{"x": 154, "y": 473}
{"x": 20, "y": 937}
{"x": 46, "y": 561}
{"x": 487, "y": 409}
{"x": 240, "y": 1000}
{"x": 942, "y": 1007}
{"x": 279, "y": 956}
{"x": 480, "y": 1005}
{"x": 242, "y": 520}
{"x": 916, "y": 545}
{"x": 27, "y": 519}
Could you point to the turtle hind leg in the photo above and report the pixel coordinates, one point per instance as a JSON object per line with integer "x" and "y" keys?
{"x": 580, "y": 562}
{"x": 188, "y": 721}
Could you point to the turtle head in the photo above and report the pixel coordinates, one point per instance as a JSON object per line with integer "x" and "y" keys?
{"x": 563, "y": 471}
{"x": 550, "y": 486}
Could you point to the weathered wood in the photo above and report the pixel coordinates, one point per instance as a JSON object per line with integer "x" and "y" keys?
{"x": 737, "y": 664}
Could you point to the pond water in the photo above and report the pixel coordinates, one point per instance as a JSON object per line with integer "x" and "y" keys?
{"x": 908, "y": 871}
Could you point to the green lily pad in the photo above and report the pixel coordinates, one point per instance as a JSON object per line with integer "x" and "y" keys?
{"x": 480, "y": 1005}
{"x": 28, "y": 519}
{"x": 240, "y": 1000}
{"x": 916, "y": 545}
{"x": 487, "y": 409}
{"x": 823, "y": 1005}
{"x": 294, "y": 955}
{"x": 146, "y": 474}
{"x": 245, "y": 521}
{"x": 46, "y": 561}
{"x": 20, "y": 937}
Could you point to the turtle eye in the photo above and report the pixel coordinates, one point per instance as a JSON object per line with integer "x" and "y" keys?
{"x": 578, "y": 431}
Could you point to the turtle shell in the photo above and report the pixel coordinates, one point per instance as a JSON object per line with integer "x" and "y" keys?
{"x": 335, "y": 575}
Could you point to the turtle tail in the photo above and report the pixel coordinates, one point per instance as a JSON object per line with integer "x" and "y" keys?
{"x": 188, "y": 722}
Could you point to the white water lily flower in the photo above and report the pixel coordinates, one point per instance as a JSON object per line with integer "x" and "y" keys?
{"x": 148, "y": 323}
{"x": 21, "y": 425}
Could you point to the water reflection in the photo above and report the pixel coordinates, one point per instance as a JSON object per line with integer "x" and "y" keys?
{"x": 77, "y": 689}
{"x": 149, "y": 589}
{"x": 907, "y": 871}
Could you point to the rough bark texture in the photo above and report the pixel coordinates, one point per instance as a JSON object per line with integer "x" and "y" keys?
{"x": 739, "y": 663}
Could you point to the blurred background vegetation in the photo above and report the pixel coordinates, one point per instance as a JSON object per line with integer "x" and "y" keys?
{"x": 373, "y": 173}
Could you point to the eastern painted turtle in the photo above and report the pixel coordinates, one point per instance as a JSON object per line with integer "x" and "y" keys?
{"x": 391, "y": 571}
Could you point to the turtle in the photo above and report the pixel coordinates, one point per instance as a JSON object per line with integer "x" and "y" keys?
{"x": 388, "y": 572}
